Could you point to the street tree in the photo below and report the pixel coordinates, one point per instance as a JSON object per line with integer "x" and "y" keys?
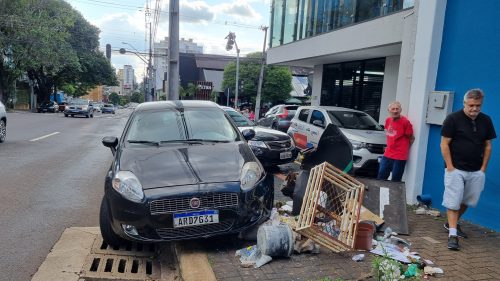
{"x": 114, "y": 98}
{"x": 137, "y": 97}
{"x": 277, "y": 83}
{"x": 62, "y": 50}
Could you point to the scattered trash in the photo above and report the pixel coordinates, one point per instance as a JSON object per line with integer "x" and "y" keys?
{"x": 359, "y": 257}
{"x": 429, "y": 270}
{"x": 286, "y": 208}
{"x": 395, "y": 252}
{"x": 367, "y": 215}
{"x": 422, "y": 210}
{"x": 275, "y": 240}
{"x": 425, "y": 199}
{"x": 252, "y": 257}
{"x": 411, "y": 271}
{"x": 304, "y": 244}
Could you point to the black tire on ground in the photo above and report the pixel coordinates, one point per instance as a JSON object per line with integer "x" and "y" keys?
{"x": 92, "y": 115}
{"x": 72, "y": 115}
{"x": 65, "y": 115}
{"x": 108, "y": 235}
{"x": 3, "y": 131}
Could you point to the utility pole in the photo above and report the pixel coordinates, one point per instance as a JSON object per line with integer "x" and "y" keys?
{"x": 149, "y": 94}
{"x": 173, "y": 50}
{"x": 261, "y": 76}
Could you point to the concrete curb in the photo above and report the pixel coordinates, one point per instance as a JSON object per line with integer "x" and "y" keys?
{"x": 65, "y": 260}
{"x": 193, "y": 262}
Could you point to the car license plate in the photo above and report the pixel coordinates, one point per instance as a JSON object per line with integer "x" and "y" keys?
{"x": 196, "y": 218}
{"x": 286, "y": 155}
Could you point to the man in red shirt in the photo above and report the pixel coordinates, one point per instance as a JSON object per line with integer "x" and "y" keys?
{"x": 399, "y": 132}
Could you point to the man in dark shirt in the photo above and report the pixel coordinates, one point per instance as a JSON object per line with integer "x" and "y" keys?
{"x": 466, "y": 147}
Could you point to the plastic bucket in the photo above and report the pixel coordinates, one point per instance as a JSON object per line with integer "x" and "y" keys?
{"x": 275, "y": 240}
{"x": 364, "y": 236}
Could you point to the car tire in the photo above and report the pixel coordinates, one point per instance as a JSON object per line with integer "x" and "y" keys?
{"x": 65, "y": 115}
{"x": 87, "y": 116}
{"x": 3, "y": 131}
{"x": 108, "y": 234}
{"x": 72, "y": 115}
{"x": 92, "y": 115}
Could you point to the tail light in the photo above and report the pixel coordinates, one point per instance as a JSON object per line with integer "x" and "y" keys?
{"x": 284, "y": 114}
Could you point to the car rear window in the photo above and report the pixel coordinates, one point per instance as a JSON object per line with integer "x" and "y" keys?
{"x": 303, "y": 114}
{"x": 354, "y": 120}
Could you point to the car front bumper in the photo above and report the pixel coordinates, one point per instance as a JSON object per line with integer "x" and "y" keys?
{"x": 153, "y": 220}
{"x": 269, "y": 157}
{"x": 77, "y": 112}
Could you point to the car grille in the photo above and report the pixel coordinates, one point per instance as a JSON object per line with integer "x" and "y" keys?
{"x": 193, "y": 231}
{"x": 375, "y": 148}
{"x": 279, "y": 145}
{"x": 180, "y": 204}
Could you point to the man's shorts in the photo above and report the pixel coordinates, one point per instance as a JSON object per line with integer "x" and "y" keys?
{"x": 461, "y": 187}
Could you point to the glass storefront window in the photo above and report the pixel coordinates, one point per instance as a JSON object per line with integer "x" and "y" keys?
{"x": 289, "y": 34}
{"x": 356, "y": 85}
{"x": 298, "y": 19}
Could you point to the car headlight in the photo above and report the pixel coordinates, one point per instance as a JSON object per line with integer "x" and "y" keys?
{"x": 128, "y": 185}
{"x": 257, "y": 144}
{"x": 85, "y": 108}
{"x": 250, "y": 175}
{"x": 357, "y": 145}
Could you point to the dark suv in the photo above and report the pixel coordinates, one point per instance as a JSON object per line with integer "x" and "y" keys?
{"x": 48, "y": 106}
{"x": 278, "y": 117}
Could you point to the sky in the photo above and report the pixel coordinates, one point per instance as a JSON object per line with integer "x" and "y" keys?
{"x": 207, "y": 22}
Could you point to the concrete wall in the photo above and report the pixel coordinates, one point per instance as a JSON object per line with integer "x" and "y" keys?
{"x": 469, "y": 59}
{"x": 389, "y": 87}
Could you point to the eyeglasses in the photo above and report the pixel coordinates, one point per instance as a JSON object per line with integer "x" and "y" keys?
{"x": 474, "y": 128}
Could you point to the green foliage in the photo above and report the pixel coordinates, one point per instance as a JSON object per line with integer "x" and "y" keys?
{"x": 189, "y": 91}
{"x": 386, "y": 269}
{"x": 277, "y": 83}
{"x": 114, "y": 98}
{"x": 53, "y": 44}
{"x": 124, "y": 100}
{"x": 137, "y": 97}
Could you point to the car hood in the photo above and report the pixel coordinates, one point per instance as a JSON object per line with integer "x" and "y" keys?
{"x": 183, "y": 165}
{"x": 366, "y": 136}
{"x": 266, "y": 134}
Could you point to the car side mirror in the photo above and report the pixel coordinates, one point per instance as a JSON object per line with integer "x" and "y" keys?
{"x": 318, "y": 123}
{"x": 110, "y": 142}
{"x": 248, "y": 134}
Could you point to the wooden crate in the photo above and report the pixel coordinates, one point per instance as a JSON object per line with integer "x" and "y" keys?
{"x": 331, "y": 207}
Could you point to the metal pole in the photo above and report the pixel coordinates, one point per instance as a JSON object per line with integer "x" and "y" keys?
{"x": 237, "y": 75}
{"x": 173, "y": 51}
{"x": 261, "y": 77}
{"x": 150, "y": 72}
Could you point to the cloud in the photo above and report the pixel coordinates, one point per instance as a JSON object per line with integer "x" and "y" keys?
{"x": 196, "y": 12}
{"x": 239, "y": 10}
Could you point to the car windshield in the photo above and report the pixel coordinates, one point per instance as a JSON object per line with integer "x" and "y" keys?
{"x": 240, "y": 119}
{"x": 171, "y": 126}
{"x": 354, "y": 120}
{"x": 108, "y": 105}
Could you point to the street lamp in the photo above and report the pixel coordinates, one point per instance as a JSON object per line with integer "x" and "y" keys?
{"x": 231, "y": 40}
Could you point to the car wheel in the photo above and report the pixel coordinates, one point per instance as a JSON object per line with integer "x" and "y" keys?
{"x": 3, "y": 131}
{"x": 87, "y": 116}
{"x": 65, "y": 115}
{"x": 92, "y": 115}
{"x": 108, "y": 234}
{"x": 72, "y": 115}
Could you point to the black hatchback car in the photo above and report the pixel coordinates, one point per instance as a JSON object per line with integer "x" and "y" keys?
{"x": 272, "y": 147}
{"x": 182, "y": 170}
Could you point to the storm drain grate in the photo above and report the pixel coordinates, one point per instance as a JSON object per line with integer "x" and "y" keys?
{"x": 134, "y": 261}
{"x": 130, "y": 249}
{"x": 113, "y": 267}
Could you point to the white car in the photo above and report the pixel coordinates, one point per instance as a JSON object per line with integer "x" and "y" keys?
{"x": 3, "y": 122}
{"x": 366, "y": 135}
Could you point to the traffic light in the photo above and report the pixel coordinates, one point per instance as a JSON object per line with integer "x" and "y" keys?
{"x": 108, "y": 51}
{"x": 230, "y": 40}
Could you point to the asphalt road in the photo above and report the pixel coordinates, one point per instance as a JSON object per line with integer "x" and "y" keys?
{"x": 52, "y": 173}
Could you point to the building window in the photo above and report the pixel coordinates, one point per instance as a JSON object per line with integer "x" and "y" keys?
{"x": 356, "y": 85}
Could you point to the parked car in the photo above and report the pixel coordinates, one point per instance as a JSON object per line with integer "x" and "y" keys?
{"x": 48, "y": 106}
{"x": 3, "y": 122}
{"x": 97, "y": 106}
{"x": 108, "y": 108}
{"x": 62, "y": 106}
{"x": 366, "y": 135}
{"x": 79, "y": 107}
{"x": 182, "y": 170}
{"x": 278, "y": 117}
{"x": 272, "y": 147}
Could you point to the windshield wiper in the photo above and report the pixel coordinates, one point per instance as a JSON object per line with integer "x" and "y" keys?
{"x": 144, "y": 142}
{"x": 207, "y": 140}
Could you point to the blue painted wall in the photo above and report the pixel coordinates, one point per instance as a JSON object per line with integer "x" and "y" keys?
{"x": 470, "y": 58}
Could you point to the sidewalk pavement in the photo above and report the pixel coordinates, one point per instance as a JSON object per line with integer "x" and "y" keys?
{"x": 478, "y": 259}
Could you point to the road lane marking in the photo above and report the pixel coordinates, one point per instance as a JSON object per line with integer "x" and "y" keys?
{"x": 46, "y": 136}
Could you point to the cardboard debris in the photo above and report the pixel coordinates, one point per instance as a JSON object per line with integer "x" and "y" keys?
{"x": 367, "y": 215}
